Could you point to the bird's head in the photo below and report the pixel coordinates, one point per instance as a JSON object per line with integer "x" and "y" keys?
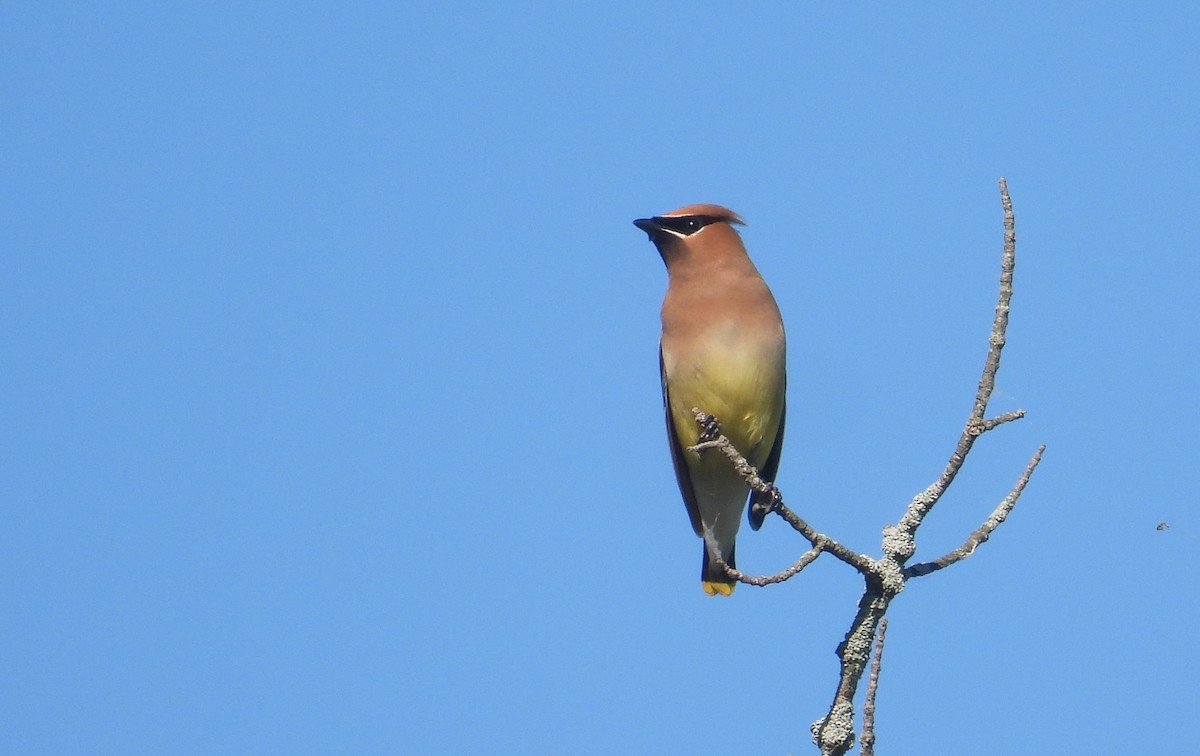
{"x": 691, "y": 230}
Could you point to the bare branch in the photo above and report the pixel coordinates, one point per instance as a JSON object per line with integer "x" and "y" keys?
{"x": 981, "y": 428}
{"x": 984, "y": 531}
{"x": 834, "y": 733}
{"x": 860, "y": 562}
{"x": 987, "y": 382}
{"x": 806, "y": 559}
{"x": 867, "y": 740}
{"x": 712, "y": 438}
{"x": 923, "y": 502}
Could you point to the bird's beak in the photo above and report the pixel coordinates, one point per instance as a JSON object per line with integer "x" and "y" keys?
{"x": 648, "y": 225}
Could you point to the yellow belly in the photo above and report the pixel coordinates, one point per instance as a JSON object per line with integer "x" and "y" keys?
{"x": 744, "y": 391}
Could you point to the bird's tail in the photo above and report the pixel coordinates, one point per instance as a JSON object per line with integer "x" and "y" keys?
{"x": 713, "y": 578}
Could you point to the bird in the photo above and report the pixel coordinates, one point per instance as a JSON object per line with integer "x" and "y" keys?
{"x": 723, "y": 351}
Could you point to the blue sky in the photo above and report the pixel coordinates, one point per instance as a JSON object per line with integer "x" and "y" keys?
{"x": 331, "y": 417}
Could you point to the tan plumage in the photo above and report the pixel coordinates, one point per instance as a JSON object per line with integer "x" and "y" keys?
{"x": 723, "y": 351}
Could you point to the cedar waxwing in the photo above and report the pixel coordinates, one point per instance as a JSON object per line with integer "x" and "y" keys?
{"x": 722, "y": 351}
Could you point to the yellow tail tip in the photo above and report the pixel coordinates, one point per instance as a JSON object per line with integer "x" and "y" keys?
{"x": 712, "y": 589}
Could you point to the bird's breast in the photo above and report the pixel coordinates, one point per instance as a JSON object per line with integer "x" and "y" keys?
{"x": 734, "y": 373}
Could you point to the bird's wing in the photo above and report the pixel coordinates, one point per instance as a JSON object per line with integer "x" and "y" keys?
{"x": 757, "y": 511}
{"x": 682, "y": 476}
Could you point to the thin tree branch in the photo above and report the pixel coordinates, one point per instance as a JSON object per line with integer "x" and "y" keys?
{"x": 984, "y": 531}
{"x": 805, "y": 559}
{"x": 712, "y": 438}
{"x": 1007, "y": 417}
{"x": 834, "y": 733}
{"x": 923, "y": 502}
{"x": 868, "y": 727}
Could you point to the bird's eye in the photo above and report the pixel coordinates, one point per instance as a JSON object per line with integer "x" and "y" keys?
{"x": 686, "y": 225}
